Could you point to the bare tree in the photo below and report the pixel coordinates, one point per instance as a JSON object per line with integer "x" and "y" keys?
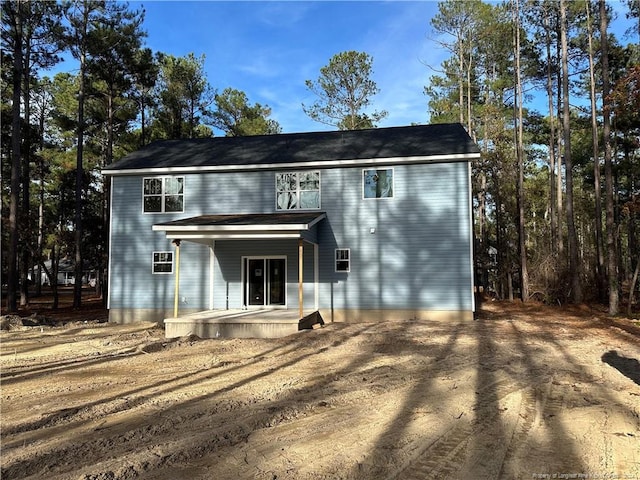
{"x": 596, "y": 156}
{"x": 555, "y": 221}
{"x": 13, "y": 13}
{"x": 574, "y": 266}
{"x": 612, "y": 257}
{"x": 518, "y": 117}
{"x": 80, "y": 16}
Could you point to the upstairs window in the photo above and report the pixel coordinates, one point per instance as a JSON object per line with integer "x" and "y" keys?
{"x": 298, "y": 191}
{"x": 163, "y": 194}
{"x": 377, "y": 183}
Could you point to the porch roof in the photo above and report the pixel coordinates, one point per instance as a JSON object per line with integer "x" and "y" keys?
{"x": 243, "y": 226}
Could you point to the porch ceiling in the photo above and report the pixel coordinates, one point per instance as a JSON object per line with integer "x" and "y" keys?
{"x": 241, "y": 226}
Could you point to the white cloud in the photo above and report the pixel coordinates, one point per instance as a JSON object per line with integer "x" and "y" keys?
{"x": 282, "y": 14}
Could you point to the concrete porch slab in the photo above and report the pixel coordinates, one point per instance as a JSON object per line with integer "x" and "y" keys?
{"x": 267, "y": 323}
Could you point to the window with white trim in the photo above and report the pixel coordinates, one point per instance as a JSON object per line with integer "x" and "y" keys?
{"x": 162, "y": 263}
{"x": 298, "y": 190}
{"x": 343, "y": 260}
{"x": 377, "y": 183}
{"x": 163, "y": 194}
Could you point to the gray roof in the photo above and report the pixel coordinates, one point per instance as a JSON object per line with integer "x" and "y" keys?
{"x": 440, "y": 140}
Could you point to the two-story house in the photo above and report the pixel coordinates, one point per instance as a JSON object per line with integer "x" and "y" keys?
{"x": 360, "y": 225}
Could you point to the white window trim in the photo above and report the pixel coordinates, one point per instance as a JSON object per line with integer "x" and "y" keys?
{"x": 297, "y": 172}
{"x": 393, "y": 181}
{"x": 154, "y": 263}
{"x": 336, "y": 259}
{"x": 163, "y": 194}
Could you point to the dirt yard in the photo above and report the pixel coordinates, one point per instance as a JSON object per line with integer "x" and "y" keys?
{"x": 523, "y": 392}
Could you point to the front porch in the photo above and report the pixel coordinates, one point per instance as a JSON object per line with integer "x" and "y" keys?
{"x": 254, "y": 288}
{"x": 261, "y": 323}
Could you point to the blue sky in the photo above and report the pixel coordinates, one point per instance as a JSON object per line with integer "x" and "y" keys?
{"x": 269, "y": 49}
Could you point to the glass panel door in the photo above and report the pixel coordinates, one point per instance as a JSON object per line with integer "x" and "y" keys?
{"x": 255, "y": 281}
{"x": 265, "y": 281}
{"x": 276, "y": 281}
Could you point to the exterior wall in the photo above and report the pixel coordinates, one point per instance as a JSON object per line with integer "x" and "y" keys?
{"x": 137, "y": 294}
{"x": 156, "y": 315}
{"x": 418, "y": 259}
{"x": 134, "y": 291}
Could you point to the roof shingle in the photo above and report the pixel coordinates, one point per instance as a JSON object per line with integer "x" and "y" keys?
{"x": 300, "y": 148}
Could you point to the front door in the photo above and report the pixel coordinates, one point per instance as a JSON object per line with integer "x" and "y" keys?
{"x": 265, "y": 281}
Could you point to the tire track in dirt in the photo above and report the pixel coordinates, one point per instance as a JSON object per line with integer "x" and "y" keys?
{"x": 557, "y": 447}
{"x": 445, "y": 456}
{"x": 233, "y": 421}
{"x": 441, "y": 459}
{"x": 140, "y": 397}
{"x": 165, "y": 439}
{"x": 323, "y": 407}
{"x": 544, "y": 404}
{"x": 528, "y": 415}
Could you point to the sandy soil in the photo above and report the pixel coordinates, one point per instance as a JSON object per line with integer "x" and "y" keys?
{"x": 523, "y": 392}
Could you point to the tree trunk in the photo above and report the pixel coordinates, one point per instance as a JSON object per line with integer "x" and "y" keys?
{"x": 574, "y": 266}
{"x": 55, "y": 263}
{"x": 482, "y": 207}
{"x": 469, "y": 120}
{"x": 26, "y": 172}
{"x": 552, "y": 141}
{"x": 77, "y": 287}
{"x": 460, "y": 81}
{"x": 103, "y": 260}
{"x": 40, "y": 244}
{"x": 612, "y": 257}
{"x": 501, "y": 249}
{"x": 559, "y": 183}
{"x": 632, "y": 287}
{"x": 16, "y": 136}
{"x": 634, "y": 213}
{"x": 600, "y": 275}
{"x": 40, "y": 241}
{"x": 510, "y": 286}
{"x": 142, "y": 121}
{"x": 522, "y": 246}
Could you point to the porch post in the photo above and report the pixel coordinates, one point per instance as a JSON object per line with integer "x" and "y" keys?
{"x": 176, "y": 294}
{"x": 300, "y": 277}
{"x": 212, "y": 266}
{"x": 316, "y": 276}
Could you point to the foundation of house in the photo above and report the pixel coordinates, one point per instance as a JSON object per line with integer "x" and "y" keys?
{"x": 353, "y": 315}
{"x": 240, "y": 323}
